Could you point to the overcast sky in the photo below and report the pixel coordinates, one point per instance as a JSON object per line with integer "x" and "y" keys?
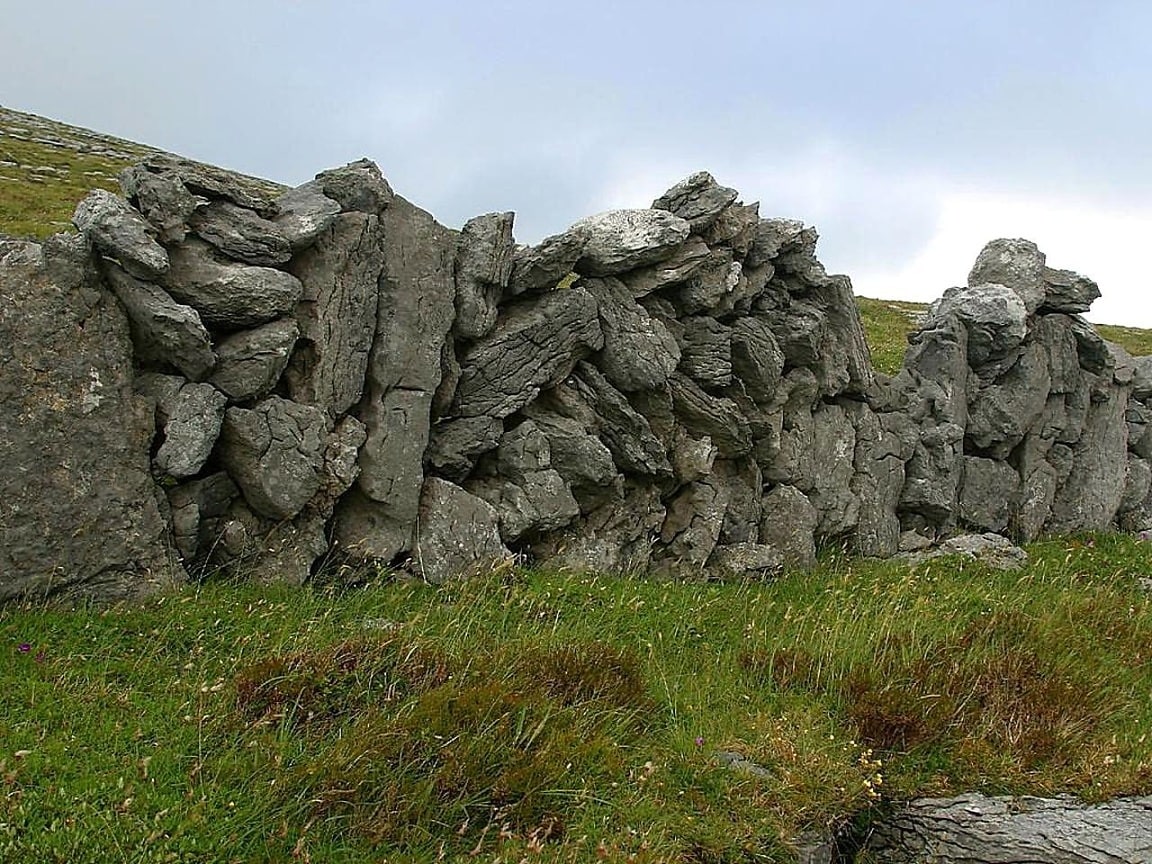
{"x": 909, "y": 133}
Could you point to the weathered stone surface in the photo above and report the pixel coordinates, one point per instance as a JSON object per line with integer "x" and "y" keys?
{"x": 1065, "y": 291}
{"x": 743, "y": 483}
{"x": 340, "y": 274}
{"x": 226, "y": 294}
{"x": 994, "y": 317}
{"x": 212, "y": 183}
{"x": 933, "y": 474}
{"x": 1001, "y": 413}
{"x": 699, "y": 199}
{"x": 692, "y": 525}
{"x": 679, "y": 267}
{"x": 1095, "y": 355}
{"x": 757, "y": 359}
{"x": 616, "y": 537}
{"x": 458, "y": 533}
{"x": 988, "y": 489}
{"x": 197, "y": 509}
{"x": 625, "y": 431}
{"x": 639, "y": 353}
{"x": 357, "y": 187}
{"x": 455, "y": 445}
{"x": 833, "y": 450}
{"x": 1137, "y": 482}
{"x": 1015, "y": 264}
{"x": 623, "y": 240}
{"x": 788, "y": 526}
{"x": 845, "y": 363}
{"x": 483, "y": 268}
{"x": 735, "y": 227}
{"x": 706, "y": 355}
{"x": 534, "y": 346}
{"x": 304, "y": 213}
{"x": 1054, "y": 332}
{"x": 740, "y": 561}
{"x": 191, "y": 427}
{"x": 541, "y": 267}
{"x": 581, "y": 458}
{"x": 989, "y": 549}
{"x": 274, "y": 452}
{"x": 119, "y": 232}
{"x": 713, "y": 282}
{"x": 718, "y": 418}
{"x": 1142, "y": 379}
{"x": 163, "y": 200}
{"x": 391, "y": 462}
{"x": 241, "y": 234}
{"x": 975, "y": 827}
{"x": 774, "y": 236}
{"x": 250, "y": 362}
{"x": 693, "y": 458}
{"x": 1034, "y": 504}
{"x": 539, "y": 501}
{"x": 79, "y": 513}
{"x": 164, "y": 332}
{"x": 884, "y": 443}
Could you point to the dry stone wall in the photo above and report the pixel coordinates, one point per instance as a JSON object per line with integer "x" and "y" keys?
{"x": 213, "y": 376}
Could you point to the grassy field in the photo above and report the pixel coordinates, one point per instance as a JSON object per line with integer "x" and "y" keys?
{"x": 564, "y": 717}
{"x": 533, "y": 716}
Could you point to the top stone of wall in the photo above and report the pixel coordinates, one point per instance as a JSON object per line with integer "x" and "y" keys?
{"x": 260, "y": 381}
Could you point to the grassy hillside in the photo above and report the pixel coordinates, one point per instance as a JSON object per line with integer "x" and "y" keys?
{"x": 553, "y": 716}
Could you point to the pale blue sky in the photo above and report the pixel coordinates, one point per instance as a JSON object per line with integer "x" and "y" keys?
{"x": 907, "y": 132}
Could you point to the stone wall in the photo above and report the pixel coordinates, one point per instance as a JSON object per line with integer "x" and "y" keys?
{"x": 215, "y": 376}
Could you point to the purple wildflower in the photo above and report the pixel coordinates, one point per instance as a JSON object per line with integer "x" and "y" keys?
{"x": 699, "y": 740}
{"x": 23, "y": 647}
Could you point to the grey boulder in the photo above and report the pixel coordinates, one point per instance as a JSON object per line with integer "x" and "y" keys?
{"x": 622, "y": 240}
{"x": 249, "y": 363}
{"x": 458, "y": 533}
{"x": 241, "y": 234}
{"x": 191, "y": 426}
{"x": 119, "y": 232}
{"x": 699, "y": 199}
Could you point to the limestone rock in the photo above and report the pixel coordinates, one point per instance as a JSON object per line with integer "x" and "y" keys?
{"x": 699, "y": 199}
{"x": 994, "y": 317}
{"x": 212, "y": 183}
{"x": 788, "y": 526}
{"x": 884, "y": 443}
{"x": 582, "y": 459}
{"x": 718, "y": 418}
{"x": 706, "y": 356}
{"x": 623, "y": 240}
{"x": 250, "y": 362}
{"x": 241, "y": 234}
{"x": 757, "y": 359}
{"x": 80, "y": 516}
{"x": 833, "y": 466}
{"x": 164, "y": 332}
{"x": 624, "y": 430}
{"x": 458, "y": 533}
{"x": 1065, "y": 291}
{"x": 541, "y": 267}
{"x": 986, "y": 493}
{"x": 162, "y": 199}
{"x": 304, "y": 213}
{"x": 991, "y": 550}
{"x": 639, "y": 352}
{"x": 198, "y": 508}
{"x": 740, "y": 561}
{"x": 340, "y": 274}
{"x": 772, "y": 237}
{"x": 711, "y": 285}
{"x": 692, "y": 525}
{"x": 483, "y": 268}
{"x": 539, "y": 501}
{"x": 1142, "y": 379}
{"x": 191, "y": 427}
{"x": 736, "y": 227}
{"x": 535, "y": 345}
{"x": 616, "y": 537}
{"x": 1001, "y": 413}
{"x": 357, "y": 187}
{"x": 455, "y": 445}
{"x": 1015, "y": 264}
{"x": 229, "y": 295}
{"x": 119, "y": 232}
{"x": 679, "y": 267}
{"x": 274, "y": 452}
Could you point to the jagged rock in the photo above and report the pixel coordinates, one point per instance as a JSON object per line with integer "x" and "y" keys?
{"x": 458, "y": 533}
{"x": 798, "y": 259}
{"x": 274, "y": 452}
{"x": 541, "y": 267}
{"x": 454, "y": 446}
{"x": 1142, "y": 379}
{"x": 627, "y": 433}
{"x": 845, "y": 363}
{"x": 80, "y": 516}
{"x": 693, "y": 458}
{"x": 523, "y": 450}
{"x": 1000, "y": 414}
{"x": 793, "y": 463}
{"x": 340, "y": 274}
{"x": 119, "y": 232}
{"x": 639, "y": 353}
{"x": 1090, "y": 497}
{"x": 679, "y": 267}
{"x": 241, "y": 234}
{"x": 191, "y": 426}
{"x": 1054, "y": 332}
{"x": 757, "y": 359}
{"x": 743, "y": 483}
{"x": 539, "y": 501}
{"x": 833, "y": 466}
{"x": 1095, "y": 355}
{"x": 735, "y": 227}
{"x": 483, "y": 268}
{"x": 975, "y": 827}
{"x": 718, "y": 418}
{"x": 250, "y": 362}
{"x": 616, "y": 537}
{"x": 357, "y": 187}
{"x": 774, "y": 236}
{"x": 706, "y": 355}
{"x": 304, "y": 213}
{"x": 1137, "y": 483}
{"x": 226, "y": 294}
{"x": 989, "y": 549}
{"x": 623, "y": 240}
{"x": 933, "y": 473}
{"x": 884, "y": 443}
{"x": 994, "y": 317}
{"x": 197, "y": 510}
{"x": 692, "y": 525}
{"x": 580, "y": 458}
{"x": 1065, "y": 291}
{"x": 801, "y": 332}
{"x": 715, "y": 280}
{"x": 414, "y": 313}
{"x": 746, "y": 561}
{"x": 788, "y": 525}
{"x": 699, "y": 199}
{"x": 163, "y": 200}
{"x": 1015, "y": 264}
{"x": 534, "y": 346}
{"x": 937, "y": 359}
{"x": 212, "y": 183}
{"x": 164, "y": 332}
{"x": 988, "y": 488}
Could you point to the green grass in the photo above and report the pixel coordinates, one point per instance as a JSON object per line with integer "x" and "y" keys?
{"x": 886, "y": 327}
{"x": 565, "y": 717}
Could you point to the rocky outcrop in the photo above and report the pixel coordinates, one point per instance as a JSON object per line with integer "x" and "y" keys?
{"x": 265, "y": 378}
